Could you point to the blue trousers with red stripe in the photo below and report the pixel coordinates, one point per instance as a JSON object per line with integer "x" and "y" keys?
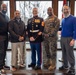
{"x": 36, "y": 47}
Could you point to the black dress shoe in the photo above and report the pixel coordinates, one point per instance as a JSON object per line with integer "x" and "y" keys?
{"x": 63, "y": 68}
{"x": 37, "y": 68}
{"x": 31, "y": 65}
{"x": 71, "y": 72}
{"x": 1, "y": 67}
{"x": 6, "y": 67}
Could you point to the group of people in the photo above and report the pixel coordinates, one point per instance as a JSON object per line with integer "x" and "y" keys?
{"x": 40, "y": 32}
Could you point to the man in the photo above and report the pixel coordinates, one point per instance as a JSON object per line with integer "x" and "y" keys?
{"x": 3, "y": 35}
{"x": 17, "y": 37}
{"x": 35, "y": 28}
{"x": 68, "y": 36}
{"x": 50, "y": 40}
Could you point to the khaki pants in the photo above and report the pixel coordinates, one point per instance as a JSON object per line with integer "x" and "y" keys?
{"x": 18, "y": 53}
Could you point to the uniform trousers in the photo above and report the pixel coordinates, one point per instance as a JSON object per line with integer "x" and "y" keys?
{"x": 49, "y": 51}
{"x": 36, "y": 48}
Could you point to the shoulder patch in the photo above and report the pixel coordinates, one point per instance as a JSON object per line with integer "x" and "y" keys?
{"x": 43, "y": 23}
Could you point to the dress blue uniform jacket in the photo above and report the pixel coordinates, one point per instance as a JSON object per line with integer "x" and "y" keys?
{"x": 35, "y": 25}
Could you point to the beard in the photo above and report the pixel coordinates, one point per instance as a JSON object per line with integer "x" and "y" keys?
{"x": 50, "y": 14}
{"x": 66, "y": 14}
{"x": 4, "y": 11}
{"x": 17, "y": 17}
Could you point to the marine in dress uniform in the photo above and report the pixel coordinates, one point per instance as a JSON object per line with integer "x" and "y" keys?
{"x": 35, "y": 28}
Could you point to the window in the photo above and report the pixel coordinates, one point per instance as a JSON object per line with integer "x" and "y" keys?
{"x": 75, "y": 9}
{"x": 26, "y": 8}
{"x": 60, "y": 5}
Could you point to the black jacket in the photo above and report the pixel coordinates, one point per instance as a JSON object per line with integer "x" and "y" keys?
{"x": 16, "y": 29}
{"x": 3, "y": 27}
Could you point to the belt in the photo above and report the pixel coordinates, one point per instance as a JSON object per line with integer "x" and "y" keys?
{"x": 33, "y": 31}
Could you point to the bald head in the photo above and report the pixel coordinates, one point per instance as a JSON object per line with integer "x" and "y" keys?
{"x": 17, "y": 14}
{"x": 50, "y": 11}
{"x": 35, "y": 11}
{"x": 3, "y": 8}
